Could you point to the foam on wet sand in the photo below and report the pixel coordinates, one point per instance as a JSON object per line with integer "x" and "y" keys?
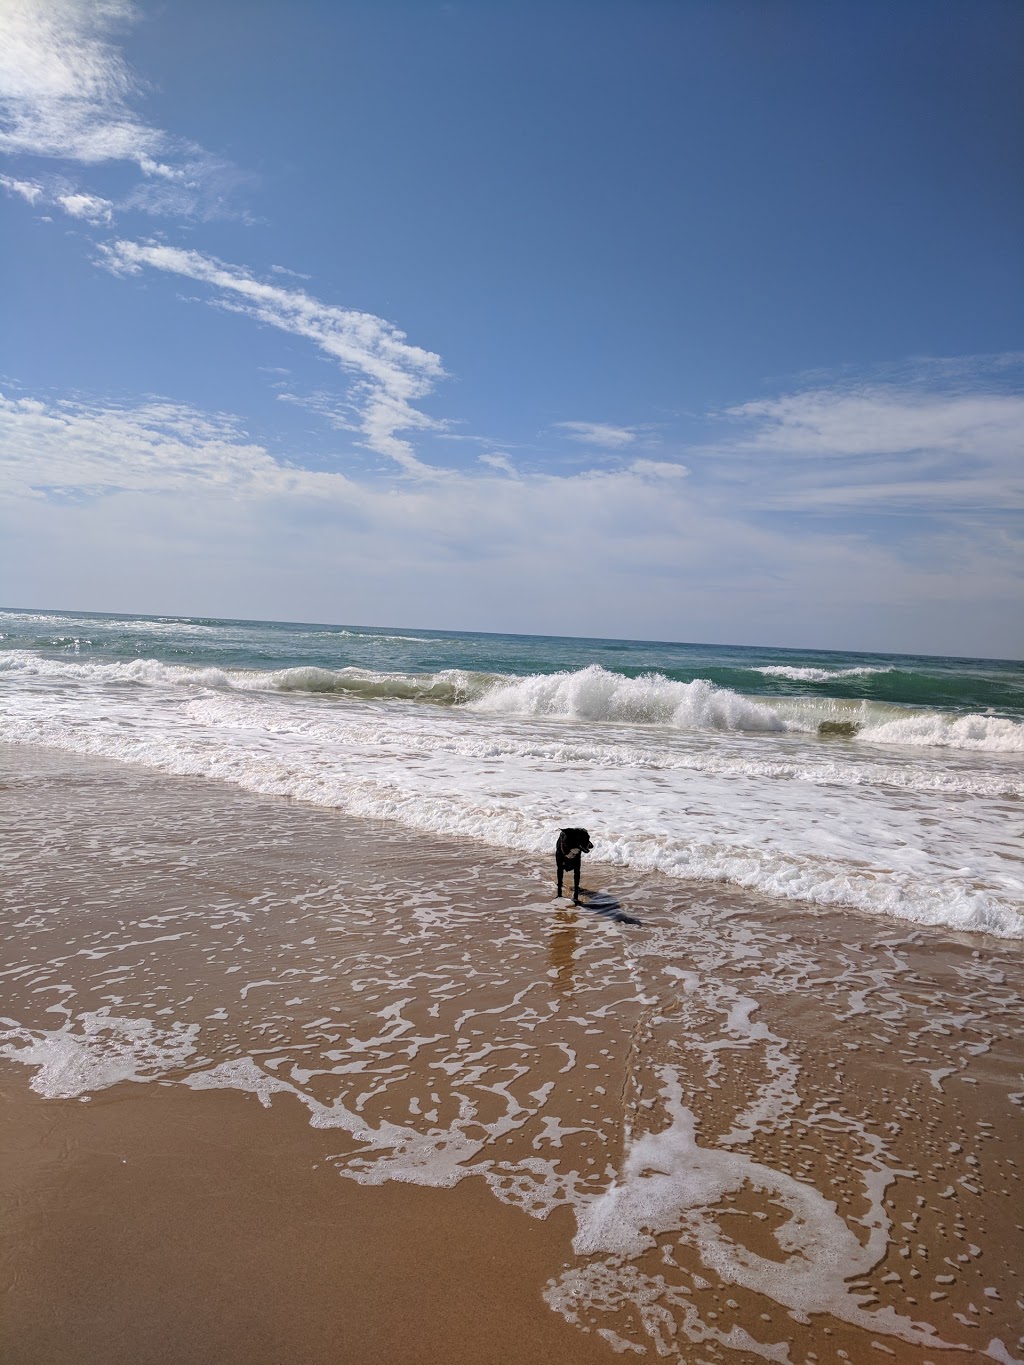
{"x": 738, "y": 1131}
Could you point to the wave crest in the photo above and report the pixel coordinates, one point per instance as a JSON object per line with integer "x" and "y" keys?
{"x": 450, "y": 687}
{"x": 595, "y": 694}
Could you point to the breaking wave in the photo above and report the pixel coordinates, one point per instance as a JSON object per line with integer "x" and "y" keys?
{"x": 597, "y": 695}
{"x": 593, "y": 695}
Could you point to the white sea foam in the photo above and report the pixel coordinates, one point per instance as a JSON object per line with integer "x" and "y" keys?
{"x": 95, "y": 1051}
{"x": 436, "y": 1158}
{"x": 982, "y": 733}
{"x": 669, "y": 1183}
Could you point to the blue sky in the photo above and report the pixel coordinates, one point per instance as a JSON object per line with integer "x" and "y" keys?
{"x": 652, "y": 319}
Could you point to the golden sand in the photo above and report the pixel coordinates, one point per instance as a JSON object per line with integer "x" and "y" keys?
{"x": 281, "y": 1086}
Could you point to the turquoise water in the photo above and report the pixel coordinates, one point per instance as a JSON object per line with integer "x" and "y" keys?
{"x": 959, "y": 685}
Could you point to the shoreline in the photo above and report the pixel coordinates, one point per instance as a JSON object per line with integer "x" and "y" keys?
{"x": 717, "y": 1106}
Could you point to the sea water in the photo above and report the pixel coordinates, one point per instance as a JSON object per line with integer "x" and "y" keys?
{"x": 889, "y": 784}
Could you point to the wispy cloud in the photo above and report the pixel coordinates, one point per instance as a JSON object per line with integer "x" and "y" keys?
{"x": 599, "y": 434}
{"x": 660, "y": 469}
{"x": 66, "y": 93}
{"x": 909, "y": 449}
{"x": 883, "y": 421}
{"x": 391, "y": 375}
{"x": 498, "y": 461}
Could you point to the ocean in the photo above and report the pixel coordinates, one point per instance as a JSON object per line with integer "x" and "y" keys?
{"x": 890, "y": 785}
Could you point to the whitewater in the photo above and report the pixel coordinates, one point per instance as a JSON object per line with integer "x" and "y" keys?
{"x": 888, "y": 785}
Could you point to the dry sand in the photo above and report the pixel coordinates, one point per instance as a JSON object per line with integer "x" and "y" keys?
{"x": 281, "y": 1086}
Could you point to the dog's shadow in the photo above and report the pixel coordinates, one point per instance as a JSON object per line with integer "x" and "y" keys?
{"x": 605, "y": 904}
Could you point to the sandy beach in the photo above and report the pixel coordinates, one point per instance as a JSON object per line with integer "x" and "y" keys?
{"x": 278, "y": 1083}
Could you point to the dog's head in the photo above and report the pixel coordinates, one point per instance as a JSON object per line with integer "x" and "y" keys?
{"x": 576, "y": 838}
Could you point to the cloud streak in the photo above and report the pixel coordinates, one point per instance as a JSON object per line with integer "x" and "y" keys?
{"x": 391, "y": 375}
{"x": 883, "y": 421}
{"x": 881, "y": 448}
{"x": 598, "y": 434}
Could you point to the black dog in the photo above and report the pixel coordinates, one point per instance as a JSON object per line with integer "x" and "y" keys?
{"x": 572, "y": 844}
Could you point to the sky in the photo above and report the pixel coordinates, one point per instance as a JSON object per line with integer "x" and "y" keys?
{"x": 695, "y": 320}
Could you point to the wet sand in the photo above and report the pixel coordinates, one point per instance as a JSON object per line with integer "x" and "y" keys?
{"x": 279, "y": 1084}
{"x": 160, "y": 1225}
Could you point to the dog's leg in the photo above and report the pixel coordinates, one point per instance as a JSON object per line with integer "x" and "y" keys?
{"x": 560, "y": 870}
{"x": 576, "y": 881}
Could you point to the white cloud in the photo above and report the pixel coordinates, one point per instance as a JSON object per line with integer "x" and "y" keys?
{"x": 599, "y": 434}
{"x": 66, "y": 92}
{"x": 28, "y": 189}
{"x": 185, "y": 510}
{"x": 83, "y": 451}
{"x": 88, "y": 206}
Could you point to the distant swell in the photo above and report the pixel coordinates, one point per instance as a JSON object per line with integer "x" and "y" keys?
{"x": 817, "y": 674}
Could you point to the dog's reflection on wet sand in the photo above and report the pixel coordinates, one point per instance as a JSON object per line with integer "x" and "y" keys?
{"x": 562, "y": 950}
